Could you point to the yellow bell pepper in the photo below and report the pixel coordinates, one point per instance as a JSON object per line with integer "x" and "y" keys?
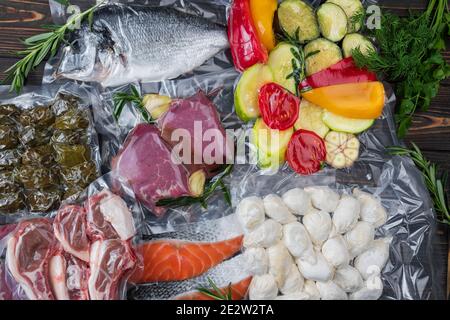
{"x": 263, "y": 12}
{"x": 353, "y": 100}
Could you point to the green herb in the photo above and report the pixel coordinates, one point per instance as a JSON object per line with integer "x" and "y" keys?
{"x": 40, "y": 47}
{"x": 215, "y": 292}
{"x": 216, "y": 183}
{"x": 410, "y": 56}
{"x": 358, "y": 18}
{"x": 122, "y": 98}
{"x": 434, "y": 181}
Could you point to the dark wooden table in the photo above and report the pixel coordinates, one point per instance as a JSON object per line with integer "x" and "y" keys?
{"x": 20, "y": 19}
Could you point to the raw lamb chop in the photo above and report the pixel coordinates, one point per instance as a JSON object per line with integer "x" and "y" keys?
{"x": 69, "y": 277}
{"x": 108, "y": 217}
{"x": 145, "y": 163}
{"x": 197, "y": 116}
{"x": 70, "y": 229}
{"x": 111, "y": 261}
{"x": 29, "y": 251}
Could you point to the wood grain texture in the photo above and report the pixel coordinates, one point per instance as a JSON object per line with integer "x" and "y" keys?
{"x": 20, "y": 19}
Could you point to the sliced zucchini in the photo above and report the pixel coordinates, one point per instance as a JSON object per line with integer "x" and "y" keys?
{"x": 354, "y": 11}
{"x": 332, "y": 21}
{"x": 296, "y": 15}
{"x": 246, "y": 94}
{"x": 355, "y": 40}
{"x": 343, "y": 124}
{"x": 310, "y": 118}
{"x": 327, "y": 55}
{"x": 271, "y": 144}
{"x": 280, "y": 62}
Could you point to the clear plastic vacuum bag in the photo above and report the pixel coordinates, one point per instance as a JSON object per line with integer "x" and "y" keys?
{"x": 49, "y": 149}
{"x": 85, "y": 251}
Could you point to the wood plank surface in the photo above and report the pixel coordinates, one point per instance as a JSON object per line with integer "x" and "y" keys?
{"x": 20, "y": 19}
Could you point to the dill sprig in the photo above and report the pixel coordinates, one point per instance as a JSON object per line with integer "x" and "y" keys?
{"x": 434, "y": 181}
{"x": 216, "y": 183}
{"x": 215, "y": 292}
{"x": 410, "y": 56}
{"x": 120, "y": 99}
{"x": 42, "y": 46}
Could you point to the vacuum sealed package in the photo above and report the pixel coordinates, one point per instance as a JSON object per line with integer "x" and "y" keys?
{"x": 48, "y": 150}
{"x": 266, "y": 225}
{"x": 86, "y": 251}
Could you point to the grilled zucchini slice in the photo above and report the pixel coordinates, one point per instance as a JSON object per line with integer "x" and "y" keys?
{"x": 332, "y": 21}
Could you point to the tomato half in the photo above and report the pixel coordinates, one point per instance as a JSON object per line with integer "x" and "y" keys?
{"x": 306, "y": 152}
{"x": 279, "y": 108}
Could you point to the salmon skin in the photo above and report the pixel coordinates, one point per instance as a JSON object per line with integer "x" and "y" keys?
{"x": 230, "y": 271}
{"x": 176, "y": 260}
{"x": 238, "y": 292}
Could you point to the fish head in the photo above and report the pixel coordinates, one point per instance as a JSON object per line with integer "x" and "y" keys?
{"x": 90, "y": 57}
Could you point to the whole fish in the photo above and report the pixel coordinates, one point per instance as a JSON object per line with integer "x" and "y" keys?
{"x": 127, "y": 43}
{"x": 230, "y": 271}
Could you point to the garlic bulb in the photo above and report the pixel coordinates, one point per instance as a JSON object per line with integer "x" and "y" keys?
{"x": 250, "y": 213}
{"x": 277, "y": 210}
{"x": 298, "y": 201}
{"x": 342, "y": 149}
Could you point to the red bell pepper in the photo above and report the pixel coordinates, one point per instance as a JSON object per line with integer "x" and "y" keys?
{"x": 279, "y": 108}
{"x": 246, "y": 48}
{"x": 345, "y": 71}
{"x": 306, "y": 152}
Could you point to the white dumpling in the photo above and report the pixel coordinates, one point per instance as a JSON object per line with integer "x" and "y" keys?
{"x": 310, "y": 288}
{"x": 298, "y": 201}
{"x": 323, "y": 198}
{"x": 297, "y": 241}
{"x": 372, "y": 210}
{"x": 277, "y": 210}
{"x": 373, "y": 260}
{"x": 294, "y": 281}
{"x": 280, "y": 262}
{"x": 335, "y": 251}
{"x": 256, "y": 261}
{"x": 319, "y": 271}
{"x": 371, "y": 289}
{"x": 266, "y": 235}
{"x": 263, "y": 288}
{"x": 294, "y": 296}
{"x": 359, "y": 238}
{"x": 348, "y": 278}
{"x": 318, "y": 225}
{"x": 250, "y": 213}
{"x": 346, "y": 214}
{"x": 331, "y": 291}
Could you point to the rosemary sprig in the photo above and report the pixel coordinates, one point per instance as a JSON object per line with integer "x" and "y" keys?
{"x": 215, "y": 292}
{"x": 434, "y": 181}
{"x": 216, "y": 183}
{"x": 41, "y": 46}
{"x": 120, "y": 99}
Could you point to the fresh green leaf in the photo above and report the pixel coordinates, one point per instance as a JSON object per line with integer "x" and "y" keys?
{"x": 215, "y": 292}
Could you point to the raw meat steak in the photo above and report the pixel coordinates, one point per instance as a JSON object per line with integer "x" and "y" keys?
{"x": 145, "y": 163}
{"x": 198, "y": 116}
{"x": 70, "y": 227}
{"x": 69, "y": 277}
{"x": 29, "y": 251}
{"x": 111, "y": 261}
{"x": 108, "y": 217}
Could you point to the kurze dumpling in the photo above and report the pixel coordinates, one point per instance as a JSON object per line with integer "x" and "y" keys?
{"x": 250, "y": 213}
{"x": 298, "y": 201}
